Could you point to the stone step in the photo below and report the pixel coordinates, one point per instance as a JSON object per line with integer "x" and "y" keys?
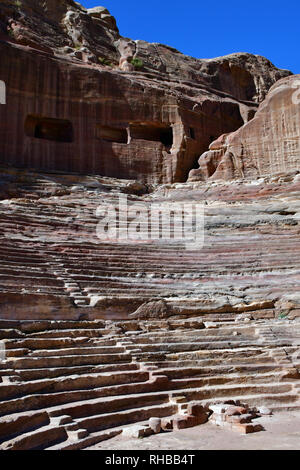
{"x": 278, "y": 407}
{"x": 30, "y": 279}
{"x": 57, "y": 343}
{"x": 62, "y": 400}
{"x": 111, "y": 420}
{"x": 164, "y": 341}
{"x": 88, "y": 333}
{"x": 179, "y": 367}
{"x": 148, "y": 356}
{"x": 13, "y": 425}
{"x": 81, "y": 302}
{"x": 110, "y": 404}
{"x": 245, "y": 373}
{"x": 35, "y": 374}
{"x": 208, "y": 356}
{"x": 16, "y": 352}
{"x": 71, "y": 383}
{"x": 64, "y": 361}
{"x": 91, "y": 440}
{"x": 31, "y": 289}
{"x": 30, "y": 326}
{"x": 37, "y": 440}
{"x": 239, "y": 390}
{"x": 278, "y": 401}
{"x": 166, "y": 348}
{"x": 236, "y": 361}
{"x": 205, "y": 334}
{"x": 211, "y": 356}
{"x": 84, "y": 350}
{"x": 232, "y": 379}
{"x": 11, "y": 333}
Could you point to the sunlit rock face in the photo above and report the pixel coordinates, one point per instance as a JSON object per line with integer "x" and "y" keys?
{"x": 82, "y": 98}
{"x": 267, "y": 145}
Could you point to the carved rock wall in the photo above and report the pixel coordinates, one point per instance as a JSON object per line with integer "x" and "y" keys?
{"x": 74, "y": 102}
{"x": 267, "y": 145}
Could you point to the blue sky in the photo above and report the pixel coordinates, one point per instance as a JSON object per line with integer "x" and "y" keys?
{"x": 212, "y": 28}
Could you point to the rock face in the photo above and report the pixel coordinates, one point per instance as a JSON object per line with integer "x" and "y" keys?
{"x": 267, "y": 145}
{"x": 82, "y": 98}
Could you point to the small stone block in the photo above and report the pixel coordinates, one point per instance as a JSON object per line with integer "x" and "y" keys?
{"x": 188, "y": 421}
{"x": 218, "y": 417}
{"x": 66, "y": 419}
{"x": 258, "y": 428}
{"x": 181, "y": 399}
{"x": 81, "y": 433}
{"x": 235, "y": 411}
{"x": 134, "y": 432}
{"x": 155, "y": 425}
{"x": 246, "y": 418}
{"x": 167, "y": 423}
{"x": 195, "y": 409}
{"x": 243, "y": 428}
{"x": 209, "y": 324}
{"x": 78, "y": 434}
{"x": 219, "y": 408}
{"x": 263, "y": 410}
{"x": 180, "y": 422}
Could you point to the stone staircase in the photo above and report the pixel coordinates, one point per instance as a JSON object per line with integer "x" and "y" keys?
{"x": 72, "y": 384}
{"x": 79, "y": 368}
{"x": 49, "y": 249}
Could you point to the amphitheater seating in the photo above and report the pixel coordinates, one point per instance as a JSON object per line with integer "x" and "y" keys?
{"x": 75, "y": 375}
{"x": 69, "y": 385}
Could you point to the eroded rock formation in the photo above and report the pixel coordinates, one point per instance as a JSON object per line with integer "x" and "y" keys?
{"x": 267, "y": 145}
{"x": 98, "y": 334}
{"x": 77, "y": 102}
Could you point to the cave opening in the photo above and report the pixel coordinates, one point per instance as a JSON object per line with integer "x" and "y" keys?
{"x": 192, "y": 133}
{"x": 153, "y": 133}
{"x": 58, "y": 130}
{"x": 112, "y": 134}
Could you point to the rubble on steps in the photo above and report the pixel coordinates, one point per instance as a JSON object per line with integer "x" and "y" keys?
{"x": 236, "y": 417}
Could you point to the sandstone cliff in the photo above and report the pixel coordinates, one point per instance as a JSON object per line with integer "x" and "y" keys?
{"x": 267, "y": 145}
{"x": 82, "y": 98}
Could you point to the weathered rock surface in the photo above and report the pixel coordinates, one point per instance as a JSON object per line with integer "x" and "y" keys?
{"x": 77, "y": 103}
{"x": 267, "y": 145}
{"x": 52, "y": 260}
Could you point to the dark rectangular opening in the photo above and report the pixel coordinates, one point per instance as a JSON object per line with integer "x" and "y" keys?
{"x": 152, "y": 132}
{"x": 112, "y": 134}
{"x": 192, "y": 133}
{"x": 58, "y": 130}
